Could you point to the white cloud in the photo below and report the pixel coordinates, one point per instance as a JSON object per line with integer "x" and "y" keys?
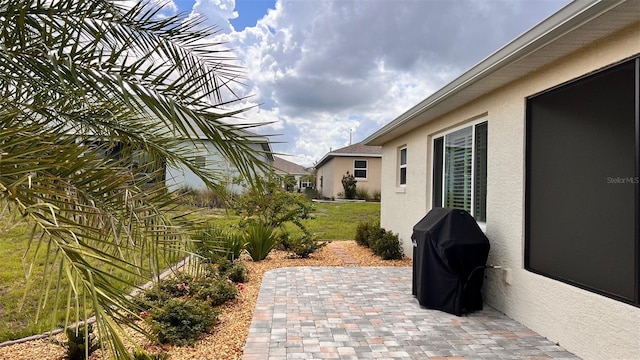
{"x": 320, "y": 68}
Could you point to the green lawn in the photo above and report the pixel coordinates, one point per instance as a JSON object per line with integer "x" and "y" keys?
{"x": 338, "y": 220}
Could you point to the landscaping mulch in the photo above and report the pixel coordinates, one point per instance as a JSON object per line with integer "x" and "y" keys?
{"x": 227, "y": 339}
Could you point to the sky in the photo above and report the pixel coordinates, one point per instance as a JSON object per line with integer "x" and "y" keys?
{"x": 326, "y": 73}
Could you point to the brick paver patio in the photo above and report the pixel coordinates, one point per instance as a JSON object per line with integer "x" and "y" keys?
{"x": 369, "y": 313}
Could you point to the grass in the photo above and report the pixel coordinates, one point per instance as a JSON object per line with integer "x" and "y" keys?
{"x": 17, "y": 314}
{"x": 19, "y": 305}
{"x": 338, "y": 220}
{"x": 330, "y": 220}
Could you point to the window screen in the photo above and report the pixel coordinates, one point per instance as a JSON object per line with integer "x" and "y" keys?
{"x": 582, "y": 183}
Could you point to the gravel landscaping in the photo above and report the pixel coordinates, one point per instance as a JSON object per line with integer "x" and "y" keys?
{"x": 226, "y": 342}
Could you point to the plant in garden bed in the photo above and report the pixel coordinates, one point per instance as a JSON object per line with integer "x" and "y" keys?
{"x": 213, "y": 243}
{"x": 182, "y": 322}
{"x": 388, "y": 246}
{"x": 303, "y": 246}
{"x": 81, "y": 342}
{"x": 349, "y": 185}
{"x": 260, "y": 240}
{"x": 180, "y": 308}
{"x": 383, "y": 243}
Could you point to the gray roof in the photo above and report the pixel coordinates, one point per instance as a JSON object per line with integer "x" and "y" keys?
{"x": 355, "y": 150}
{"x": 288, "y": 167}
{"x": 579, "y": 23}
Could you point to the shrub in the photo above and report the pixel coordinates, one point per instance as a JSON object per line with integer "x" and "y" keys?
{"x": 304, "y": 246}
{"x": 363, "y": 194}
{"x": 80, "y": 342}
{"x": 271, "y": 205}
{"x": 182, "y": 322}
{"x": 349, "y": 185}
{"x": 217, "y": 292}
{"x": 376, "y": 195}
{"x": 238, "y": 273}
{"x": 368, "y": 233}
{"x": 260, "y": 239}
{"x": 388, "y": 246}
{"x": 213, "y": 243}
{"x": 175, "y": 286}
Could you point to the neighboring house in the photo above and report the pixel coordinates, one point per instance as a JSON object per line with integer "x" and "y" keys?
{"x": 540, "y": 142}
{"x": 301, "y": 174}
{"x": 211, "y": 158}
{"x": 360, "y": 160}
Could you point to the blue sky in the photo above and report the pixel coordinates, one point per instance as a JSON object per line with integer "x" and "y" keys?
{"x": 320, "y": 72}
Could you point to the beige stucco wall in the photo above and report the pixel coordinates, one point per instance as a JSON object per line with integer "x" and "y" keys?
{"x": 590, "y": 325}
{"x": 333, "y": 170}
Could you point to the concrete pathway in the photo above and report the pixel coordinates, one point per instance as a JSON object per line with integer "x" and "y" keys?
{"x": 369, "y": 313}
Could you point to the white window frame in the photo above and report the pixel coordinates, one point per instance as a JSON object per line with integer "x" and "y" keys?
{"x": 402, "y": 166}
{"x": 366, "y": 169}
{"x": 443, "y": 134}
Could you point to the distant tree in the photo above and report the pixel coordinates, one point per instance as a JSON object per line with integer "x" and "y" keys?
{"x": 349, "y": 184}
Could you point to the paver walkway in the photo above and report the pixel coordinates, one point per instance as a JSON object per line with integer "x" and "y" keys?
{"x": 369, "y": 313}
{"x": 342, "y": 253}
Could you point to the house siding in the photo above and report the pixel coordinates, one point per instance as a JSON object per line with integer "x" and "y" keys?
{"x": 333, "y": 170}
{"x": 181, "y": 176}
{"x": 590, "y": 325}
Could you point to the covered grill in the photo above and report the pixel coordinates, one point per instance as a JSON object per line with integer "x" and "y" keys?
{"x": 449, "y": 255}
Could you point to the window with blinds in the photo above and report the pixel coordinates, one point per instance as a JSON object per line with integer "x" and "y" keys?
{"x": 460, "y": 170}
{"x": 402, "y": 170}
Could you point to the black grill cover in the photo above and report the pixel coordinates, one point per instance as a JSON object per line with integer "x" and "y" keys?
{"x": 449, "y": 254}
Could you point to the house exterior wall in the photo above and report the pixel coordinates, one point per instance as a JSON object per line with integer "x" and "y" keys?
{"x": 181, "y": 176}
{"x": 588, "y": 324}
{"x": 333, "y": 170}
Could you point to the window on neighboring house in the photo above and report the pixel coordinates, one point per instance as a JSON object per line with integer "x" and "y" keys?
{"x": 402, "y": 170}
{"x": 460, "y": 170}
{"x": 305, "y": 184}
{"x": 360, "y": 169}
{"x": 200, "y": 161}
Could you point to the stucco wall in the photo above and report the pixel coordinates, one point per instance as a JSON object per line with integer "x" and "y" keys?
{"x": 590, "y": 325}
{"x": 333, "y": 171}
{"x": 181, "y": 176}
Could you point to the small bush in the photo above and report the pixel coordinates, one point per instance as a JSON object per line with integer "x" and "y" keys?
{"x": 304, "y": 246}
{"x": 388, "y": 246}
{"x": 349, "y": 185}
{"x": 213, "y": 243}
{"x": 260, "y": 239}
{"x": 80, "y": 342}
{"x": 368, "y": 233}
{"x": 376, "y": 195}
{"x": 238, "y": 273}
{"x": 177, "y": 285}
{"x": 217, "y": 292}
{"x": 182, "y": 322}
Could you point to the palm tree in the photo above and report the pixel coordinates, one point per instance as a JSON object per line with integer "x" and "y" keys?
{"x": 85, "y": 87}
